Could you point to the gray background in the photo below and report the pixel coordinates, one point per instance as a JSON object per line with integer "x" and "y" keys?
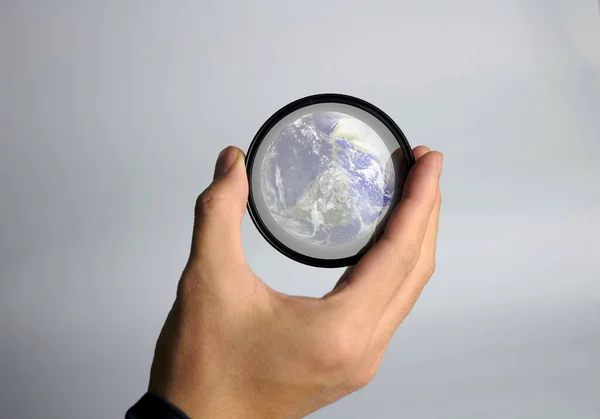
{"x": 111, "y": 114}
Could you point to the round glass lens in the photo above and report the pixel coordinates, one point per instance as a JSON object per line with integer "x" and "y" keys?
{"x": 324, "y": 178}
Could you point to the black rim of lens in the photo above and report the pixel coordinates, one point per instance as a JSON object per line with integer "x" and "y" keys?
{"x": 266, "y": 128}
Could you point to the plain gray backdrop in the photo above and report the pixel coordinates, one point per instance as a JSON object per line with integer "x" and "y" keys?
{"x": 112, "y": 114}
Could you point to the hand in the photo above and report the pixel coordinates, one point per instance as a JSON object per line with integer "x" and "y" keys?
{"x": 232, "y": 347}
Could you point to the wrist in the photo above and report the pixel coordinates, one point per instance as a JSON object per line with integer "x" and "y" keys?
{"x": 216, "y": 403}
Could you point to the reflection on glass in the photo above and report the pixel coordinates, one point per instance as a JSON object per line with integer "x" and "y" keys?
{"x": 327, "y": 179}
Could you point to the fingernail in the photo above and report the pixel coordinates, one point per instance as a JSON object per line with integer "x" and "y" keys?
{"x": 225, "y": 161}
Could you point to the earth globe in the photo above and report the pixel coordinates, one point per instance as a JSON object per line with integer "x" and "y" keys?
{"x": 324, "y": 173}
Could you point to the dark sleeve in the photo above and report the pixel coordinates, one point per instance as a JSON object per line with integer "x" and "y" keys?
{"x": 154, "y": 407}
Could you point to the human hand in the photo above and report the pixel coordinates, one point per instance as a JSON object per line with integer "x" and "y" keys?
{"x": 232, "y": 347}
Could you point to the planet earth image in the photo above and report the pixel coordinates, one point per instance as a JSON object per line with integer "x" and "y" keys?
{"x": 327, "y": 179}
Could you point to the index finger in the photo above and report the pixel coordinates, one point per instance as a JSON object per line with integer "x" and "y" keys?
{"x": 376, "y": 278}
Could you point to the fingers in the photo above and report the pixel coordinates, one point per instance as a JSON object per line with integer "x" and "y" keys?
{"x": 375, "y": 280}
{"x": 416, "y": 205}
{"x": 418, "y": 152}
{"x": 220, "y": 210}
{"x": 411, "y": 288}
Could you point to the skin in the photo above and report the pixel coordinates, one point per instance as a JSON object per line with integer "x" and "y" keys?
{"x": 232, "y": 347}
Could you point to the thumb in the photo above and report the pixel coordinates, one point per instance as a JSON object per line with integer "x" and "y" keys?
{"x": 219, "y": 212}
